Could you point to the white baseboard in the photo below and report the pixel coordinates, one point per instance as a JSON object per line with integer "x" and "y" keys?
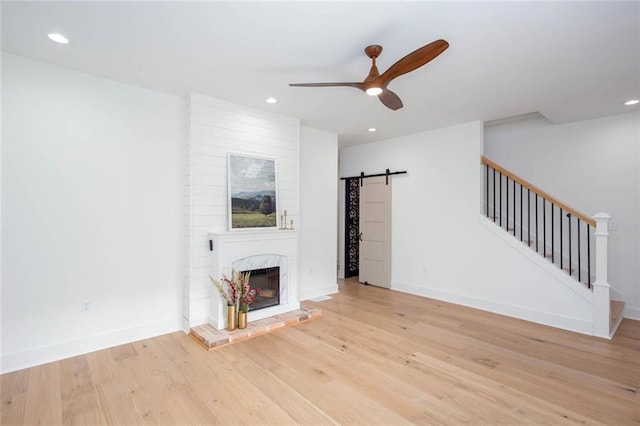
{"x": 44, "y": 354}
{"x": 317, "y": 291}
{"x": 631, "y": 313}
{"x": 566, "y": 323}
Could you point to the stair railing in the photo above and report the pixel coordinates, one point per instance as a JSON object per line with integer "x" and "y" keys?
{"x": 548, "y": 226}
{"x": 536, "y": 218}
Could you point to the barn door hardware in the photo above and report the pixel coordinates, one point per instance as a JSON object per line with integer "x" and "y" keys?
{"x": 387, "y": 173}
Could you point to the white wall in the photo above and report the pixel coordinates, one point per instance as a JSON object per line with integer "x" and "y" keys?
{"x": 216, "y": 128}
{"x": 92, "y": 188}
{"x": 318, "y": 220}
{"x": 440, "y": 247}
{"x": 593, "y": 166}
{"x": 1, "y": 127}
{"x": 306, "y": 159}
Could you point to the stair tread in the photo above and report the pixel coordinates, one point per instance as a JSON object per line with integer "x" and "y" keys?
{"x": 616, "y": 309}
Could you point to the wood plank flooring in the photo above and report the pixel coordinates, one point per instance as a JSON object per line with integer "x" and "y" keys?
{"x": 376, "y": 357}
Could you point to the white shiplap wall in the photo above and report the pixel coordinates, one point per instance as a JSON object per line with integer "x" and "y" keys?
{"x": 215, "y": 128}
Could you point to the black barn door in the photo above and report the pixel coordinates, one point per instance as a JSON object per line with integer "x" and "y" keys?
{"x": 351, "y": 227}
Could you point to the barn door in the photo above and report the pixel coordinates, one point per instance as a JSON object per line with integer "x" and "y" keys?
{"x": 375, "y": 232}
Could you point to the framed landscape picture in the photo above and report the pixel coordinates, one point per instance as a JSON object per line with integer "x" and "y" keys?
{"x": 252, "y": 192}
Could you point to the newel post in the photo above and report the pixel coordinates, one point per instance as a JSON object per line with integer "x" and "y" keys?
{"x": 601, "y": 296}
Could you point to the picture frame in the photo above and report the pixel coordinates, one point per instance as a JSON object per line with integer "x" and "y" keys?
{"x": 253, "y": 195}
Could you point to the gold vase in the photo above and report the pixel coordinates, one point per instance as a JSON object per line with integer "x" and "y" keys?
{"x": 231, "y": 318}
{"x": 242, "y": 319}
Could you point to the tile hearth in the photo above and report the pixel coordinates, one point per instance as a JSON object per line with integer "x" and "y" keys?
{"x": 211, "y": 338}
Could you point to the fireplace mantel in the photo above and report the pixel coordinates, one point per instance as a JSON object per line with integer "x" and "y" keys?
{"x": 264, "y": 248}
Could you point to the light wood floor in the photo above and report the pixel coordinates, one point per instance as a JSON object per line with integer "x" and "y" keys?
{"x": 376, "y": 357}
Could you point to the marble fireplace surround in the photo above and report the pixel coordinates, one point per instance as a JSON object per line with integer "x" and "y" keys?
{"x": 246, "y": 250}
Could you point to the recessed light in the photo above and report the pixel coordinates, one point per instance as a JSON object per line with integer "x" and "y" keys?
{"x": 271, "y": 100}
{"x": 372, "y": 129}
{"x": 58, "y": 38}
{"x": 632, "y": 102}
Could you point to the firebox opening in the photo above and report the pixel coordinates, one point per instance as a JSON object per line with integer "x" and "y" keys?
{"x": 266, "y": 282}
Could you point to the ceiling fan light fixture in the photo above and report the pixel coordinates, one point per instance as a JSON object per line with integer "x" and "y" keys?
{"x": 375, "y": 84}
{"x": 58, "y": 38}
{"x": 632, "y": 102}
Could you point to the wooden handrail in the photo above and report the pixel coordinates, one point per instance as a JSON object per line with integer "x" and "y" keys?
{"x": 525, "y": 184}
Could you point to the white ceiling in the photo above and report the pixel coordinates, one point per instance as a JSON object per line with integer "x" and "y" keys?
{"x": 566, "y": 60}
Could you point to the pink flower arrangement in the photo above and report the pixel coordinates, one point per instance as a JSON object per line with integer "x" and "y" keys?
{"x": 247, "y": 296}
{"x": 236, "y": 290}
{"x": 232, "y": 288}
{"x": 230, "y": 293}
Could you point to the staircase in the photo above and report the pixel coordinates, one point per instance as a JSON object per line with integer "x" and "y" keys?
{"x": 566, "y": 238}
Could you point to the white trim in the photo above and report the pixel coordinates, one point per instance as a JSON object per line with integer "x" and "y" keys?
{"x": 567, "y": 323}
{"x": 44, "y": 354}
{"x": 319, "y": 291}
{"x": 185, "y": 325}
{"x": 631, "y": 313}
{"x": 614, "y": 328}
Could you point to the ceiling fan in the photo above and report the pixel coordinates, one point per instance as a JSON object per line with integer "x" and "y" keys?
{"x": 376, "y": 84}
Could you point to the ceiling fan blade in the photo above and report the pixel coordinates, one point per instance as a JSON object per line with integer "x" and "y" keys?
{"x": 356, "y": 85}
{"x": 390, "y": 99}
{"x": 413, "y": 60}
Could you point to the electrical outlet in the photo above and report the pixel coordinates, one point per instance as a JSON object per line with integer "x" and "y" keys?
{"x": 86, "y": 306}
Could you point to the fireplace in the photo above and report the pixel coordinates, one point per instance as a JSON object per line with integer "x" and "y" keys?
{"x": 266, "y": 282}
{"x": 271, "y": 256}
